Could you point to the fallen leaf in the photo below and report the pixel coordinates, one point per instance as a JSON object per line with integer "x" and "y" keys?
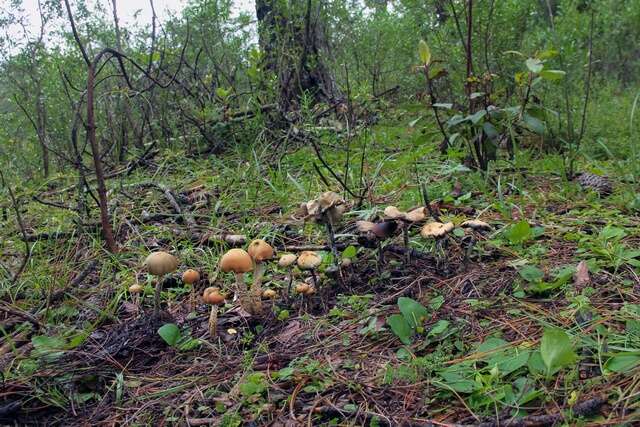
{"x": 581, "y": 279}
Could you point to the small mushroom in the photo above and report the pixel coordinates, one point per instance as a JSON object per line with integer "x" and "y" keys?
{"x": 269, "y": 293}
{"x": 160, "y": 264}
{"x": 135, "y": 290}
{"x": 239, "y": 262}
{"x": 287, "y": 261}
{"x": 261, "y": 252}
{"x": 309, "y": 260}
{"x": 328, "y": 210}
{"x": 190, "y": 277}
{"x": 213, "y": 297}
{"x": 436, "y": 229}
{"x": 376, "y": 232}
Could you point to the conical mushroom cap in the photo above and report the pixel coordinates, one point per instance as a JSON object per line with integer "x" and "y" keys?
{"x": 160, "y": 263}
{"x": 236, "y": 260}
{"x": 260, "y": 250}
{"x": 436, "y": 229}
{"x": 308, "y": 260}
{"x": 287, "y": 260}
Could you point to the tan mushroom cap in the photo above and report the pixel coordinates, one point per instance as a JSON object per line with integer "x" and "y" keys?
{"x": 269, "y": 293}
{"x": 212, "y": 296}
{"x": 392, "y": 212}
{"x": 190, "y": 276}
{"x": 309, "y": 260}
{"x": 136, "y": 288}
{"x": 302, "y": 288}
{"x": 365, "y": 226}
{"x": 260, "y": 250}
{"x": 236, "y": 260}
{"x": 160, "y": 263}
{"x": 416, "y": 215}
{"x": 476, "y": 224}
{"x": 287, "y": 260}
{"x": 436, "y": 229}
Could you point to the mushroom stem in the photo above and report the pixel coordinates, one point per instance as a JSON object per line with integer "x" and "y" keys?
{"x": 332, "y": 240}
{"x": 313, "y": 277}
{"x": 405, "y": 241}
{"x": 156, "y": 296}
{"x": 288, "y": 295}
{"x": 380, "y": 256}
{"x": 242, "y": 291}
{"x": 256, "y": 288}
{"x": 213, "y": 320}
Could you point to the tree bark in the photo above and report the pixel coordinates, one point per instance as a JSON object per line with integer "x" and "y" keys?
{"x": 292, "y": 38}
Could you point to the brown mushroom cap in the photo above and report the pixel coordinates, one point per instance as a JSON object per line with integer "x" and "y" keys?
{"x": 160, "y": 263}
{"x": 269, "y": 293}
{"x": 260, "y": 250}
{"x": 287, "y": 260}
{"x": 190, "y": 276}
{"x": 309, "y": 260}
{"x": 212, "y": 296}
{"x": 236, "y": 260}
{"x": 302, "y": 288}
{"x": 436, "y": 229}
{"x": 136, "y": 288}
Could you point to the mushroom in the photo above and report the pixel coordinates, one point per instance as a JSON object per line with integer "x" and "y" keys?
{"x": 213, "y": 297}
{"x": 303, "y": 289}
{"x": 287, "y": 261}
{"x": 261, "y": 252}
{"x": 405, "y": 219}
{"x": 135, "y": 290}
{"x": 189, "y": 277}
{"x": 436, "y": 229}
{"x": 269, "y": 293}
{"x": 238, "y": 261}
{"x": 309, "y": 260}
{"x": 159, "y": 264}
{"x": 326, "y": 209}
{"x": 377, "y": 232}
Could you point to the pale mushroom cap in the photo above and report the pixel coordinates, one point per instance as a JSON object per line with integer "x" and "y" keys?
{"x": 309, "y": 260}
{"x": 136, "y": 288}
{"x": 436, "y": 229}
{"x": 392, "y": 212}
{"x": 416, "y": 215}
{"x": 160, "y": 263}
{"x": 236, "y": 260}
{"x": 329, "y": 199}
{"x": 287, "y": 260}
{"x": 260, "y": 250}
{"x": 476, "y": 224}
{"x": 190, "y": 276}
{"x": 365, "y": 226}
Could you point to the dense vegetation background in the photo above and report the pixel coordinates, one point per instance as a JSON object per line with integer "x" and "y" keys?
{"x": 174, "y": 134}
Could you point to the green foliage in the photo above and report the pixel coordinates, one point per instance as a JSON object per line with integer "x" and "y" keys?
{"x": 410, "y": 322}
{"x": 556, "y": 350}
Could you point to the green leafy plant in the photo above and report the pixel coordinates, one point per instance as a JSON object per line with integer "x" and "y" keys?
{"x": 173, "y": 336}
{"x": 410, "y": 321}
{"x": 556, "y": 350}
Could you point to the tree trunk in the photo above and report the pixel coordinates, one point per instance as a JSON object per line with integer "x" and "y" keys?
{"x": 292, "y": 38}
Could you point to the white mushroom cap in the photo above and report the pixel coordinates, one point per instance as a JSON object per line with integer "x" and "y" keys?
{"x": 392, "y": 212}
{"x": 416, "y": 215}
{"x": 287, "y": 260}
{"x": 476, "y": 224}
{"x": 365, "y": 226}
{"x": 160, "y": 263}
{"x": 436, "y": 229}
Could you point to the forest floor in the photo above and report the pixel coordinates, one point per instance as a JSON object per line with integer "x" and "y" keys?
{"x": 556, "y": 256}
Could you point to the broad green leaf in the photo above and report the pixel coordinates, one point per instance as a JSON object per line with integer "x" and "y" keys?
{"x": 414, "y": 313}
{"x": 519, "y": 232}
{"x": 170, "y": 333}
{"x": 400, "y": 328}
{"x": 622, "y": 362}
{"x": 533, "y": 124}
{"x": 531, "y": 273}
{"x": 349, "y": 252}
{"x": 424, "y": 52}
{"x": 441, "y": 326}
{"x": 436, "y": 302}
{"x": 477, "y": 116}
{"x": 534, "y": 65}
{"x": 490, "y": 130}
{"x": 611, "y": 233}
{"x": 556, "y": 349}
{"x": 552, "y": 75}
